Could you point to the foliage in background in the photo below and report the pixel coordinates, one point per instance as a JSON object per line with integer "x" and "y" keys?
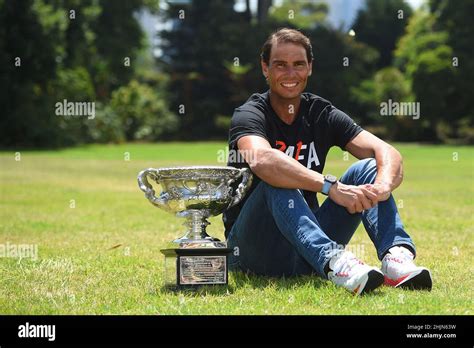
{"x": 426, "y": 59}
{"x": 387, "y": 84}
{"x": 380, "y": 24}
{"x": 196, "y": 55}
{"x": 73, "y": 50}
{"x": 455, "y": 18}
{"x": 300, "y": 14}
{"x": 210, "y": 65}
{"x": 143, "y": 116}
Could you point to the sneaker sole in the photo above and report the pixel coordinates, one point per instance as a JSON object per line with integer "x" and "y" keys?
{"x": 375, "y": 279}
{"x": 420, "y": 281}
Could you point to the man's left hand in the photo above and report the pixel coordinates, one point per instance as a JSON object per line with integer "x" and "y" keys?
{"x": 382, "y": 190}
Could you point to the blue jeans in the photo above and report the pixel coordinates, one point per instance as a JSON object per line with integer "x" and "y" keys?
{"x": 277, "y": 234}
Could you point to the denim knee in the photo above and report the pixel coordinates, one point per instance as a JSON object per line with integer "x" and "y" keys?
{"x": 365, "y": 164}
{"x": 361, "y": 172}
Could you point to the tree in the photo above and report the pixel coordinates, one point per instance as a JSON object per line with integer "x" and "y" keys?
{"x": 387, "y": 84}
{"x": 455, "y": 18}
{"x": 263, "y": 7}
{"x": 28, "y": 51}
{"x": 206, "y": 36}
{"x": 425, "y": 57}
{"x": 380, "y": 24}
{"x": 62, "y": 49}
{"x": 302, "y": 15}
{"x": 143, "y": 115}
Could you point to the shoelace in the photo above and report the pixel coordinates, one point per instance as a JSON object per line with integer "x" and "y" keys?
{"x": 402, "y": 256}
{"x": 346, "y": 263}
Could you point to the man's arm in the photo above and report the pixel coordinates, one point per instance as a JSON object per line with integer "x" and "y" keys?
{"x": 276, "y": 168}
{"x": 389, "y": 162}
{"x": 279, "y": 170}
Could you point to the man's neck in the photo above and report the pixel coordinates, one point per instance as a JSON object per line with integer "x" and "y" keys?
{"x": 286, "y": 109}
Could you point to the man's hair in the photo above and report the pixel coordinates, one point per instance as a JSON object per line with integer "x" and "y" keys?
{"x": 286, "y": 35}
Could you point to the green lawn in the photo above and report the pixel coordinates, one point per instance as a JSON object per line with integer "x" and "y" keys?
{"x": 98, "y": 238}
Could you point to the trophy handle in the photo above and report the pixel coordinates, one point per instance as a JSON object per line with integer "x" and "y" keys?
{"x": 243, "y": 186}
{"x": 146, "y": 187}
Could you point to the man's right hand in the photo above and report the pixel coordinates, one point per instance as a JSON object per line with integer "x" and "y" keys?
{"x": 355, "y": 199}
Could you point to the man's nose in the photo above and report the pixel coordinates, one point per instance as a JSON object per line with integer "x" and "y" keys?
{"x": 290, "y": 70}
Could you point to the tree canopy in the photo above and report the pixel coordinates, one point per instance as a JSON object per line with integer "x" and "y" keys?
{"x": 96, "y": 51}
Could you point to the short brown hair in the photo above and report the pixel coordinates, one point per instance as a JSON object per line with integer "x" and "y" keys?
{"x": 286, "y": 35}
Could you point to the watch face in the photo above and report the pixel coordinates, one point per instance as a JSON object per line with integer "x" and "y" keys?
{"x": 331, "y": 178}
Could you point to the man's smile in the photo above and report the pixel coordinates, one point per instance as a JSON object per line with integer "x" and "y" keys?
{"x": 289, "y": 84}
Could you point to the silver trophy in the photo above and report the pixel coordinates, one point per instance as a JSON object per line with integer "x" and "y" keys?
{"x": 196, "y": 193}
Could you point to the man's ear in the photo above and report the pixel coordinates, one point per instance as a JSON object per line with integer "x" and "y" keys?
{"x": 310, "y": 68}
{"x": 264, "y": 68}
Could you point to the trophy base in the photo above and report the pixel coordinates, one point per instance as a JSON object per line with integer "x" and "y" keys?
{"x": 195, "y": 267}
{"x": 188, "y": 243}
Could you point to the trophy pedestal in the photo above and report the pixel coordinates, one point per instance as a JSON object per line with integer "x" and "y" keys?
{"x": 196, "y": 266}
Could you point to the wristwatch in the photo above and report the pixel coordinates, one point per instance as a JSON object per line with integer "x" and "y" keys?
{"x": 329, "y": 180}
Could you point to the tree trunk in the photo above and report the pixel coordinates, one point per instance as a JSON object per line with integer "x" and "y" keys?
{"x": 262, "y": 10}
{"x": 248, "y": 13}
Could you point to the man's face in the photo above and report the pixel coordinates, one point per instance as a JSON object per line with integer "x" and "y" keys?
{"x": 288, "y": 70}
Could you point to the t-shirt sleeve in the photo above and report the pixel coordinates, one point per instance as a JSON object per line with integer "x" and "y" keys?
{"x": 342, "y": 128}
{"x": 246, "y": 122}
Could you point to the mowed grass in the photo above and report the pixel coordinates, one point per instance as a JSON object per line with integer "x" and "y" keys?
{"x": 99, "y": 239}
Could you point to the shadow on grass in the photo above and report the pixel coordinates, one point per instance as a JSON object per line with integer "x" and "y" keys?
{"x": 238, "y": 279}
{"x": 243, "y": 279}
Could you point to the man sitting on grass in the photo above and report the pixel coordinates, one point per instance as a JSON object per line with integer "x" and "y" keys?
{"x": 284, "y": 136}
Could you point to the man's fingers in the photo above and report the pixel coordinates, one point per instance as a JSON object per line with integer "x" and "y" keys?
{"x": 366, "y": 203}
{"x": 362, "y": 198}
{"x": 372, "y": 197}
{"x": 369, "y": 187}
{"x": 369, "y": 193}
{"x": 359, "y": 207}
{"x": 352, "y": 207}
{"x": 350, "y": 210}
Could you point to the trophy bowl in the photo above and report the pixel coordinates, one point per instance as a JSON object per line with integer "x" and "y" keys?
{"x": 196, "y": 193}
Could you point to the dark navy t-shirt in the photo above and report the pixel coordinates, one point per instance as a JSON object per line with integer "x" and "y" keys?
{"x": 317, "y": 127}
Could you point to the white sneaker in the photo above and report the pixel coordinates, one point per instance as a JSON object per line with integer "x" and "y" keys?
{"x": 400, "y": 271}
{"x": 349, "y": 272}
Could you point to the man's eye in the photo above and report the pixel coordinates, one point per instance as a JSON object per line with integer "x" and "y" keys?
{"x": 280, "y": 65}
